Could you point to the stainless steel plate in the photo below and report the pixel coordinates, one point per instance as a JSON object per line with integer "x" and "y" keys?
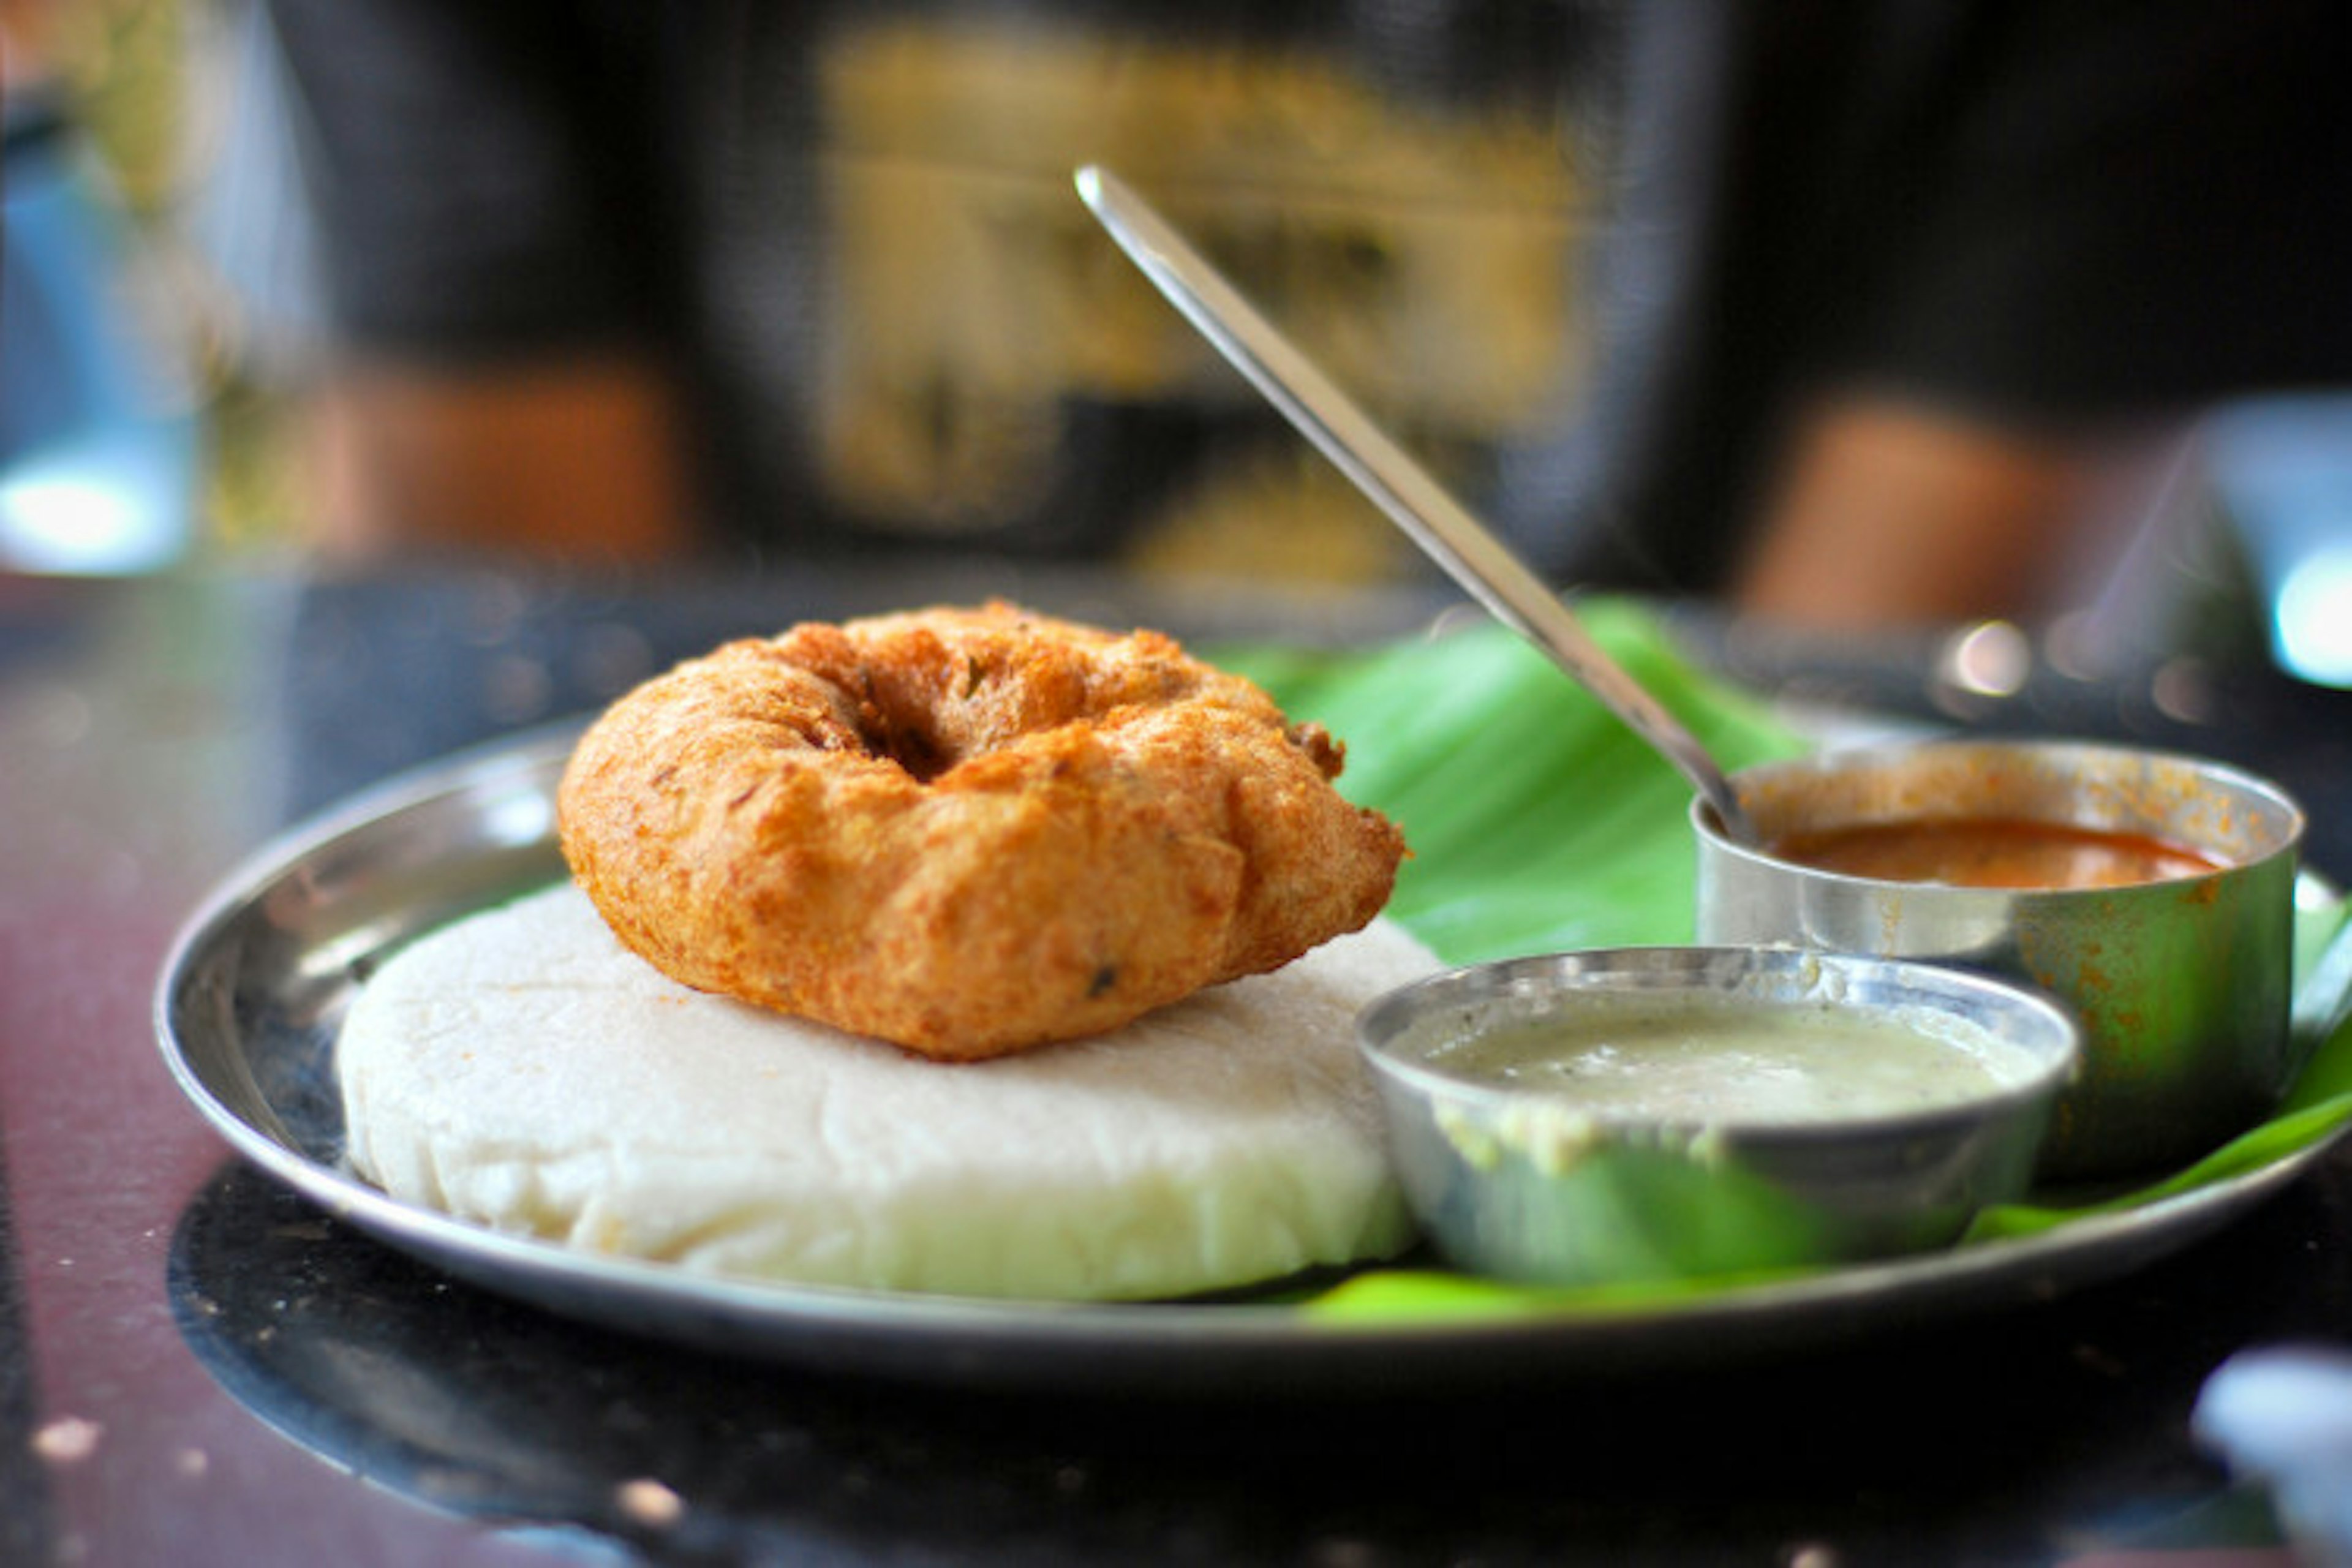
{"x": 251, "y": 999}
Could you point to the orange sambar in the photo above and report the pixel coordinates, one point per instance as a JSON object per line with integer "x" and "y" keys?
{"x": 1995, "y": 852}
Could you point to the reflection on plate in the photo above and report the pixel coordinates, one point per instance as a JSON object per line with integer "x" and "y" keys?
{"x": 251, "y": 999}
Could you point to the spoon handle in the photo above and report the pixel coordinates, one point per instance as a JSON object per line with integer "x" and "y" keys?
{"x": 1482, "y": 565}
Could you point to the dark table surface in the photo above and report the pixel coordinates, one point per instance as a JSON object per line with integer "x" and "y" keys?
{"x": 198, "y": 1367}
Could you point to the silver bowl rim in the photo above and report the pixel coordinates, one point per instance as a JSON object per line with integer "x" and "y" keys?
{"x": 1708, "y": 826}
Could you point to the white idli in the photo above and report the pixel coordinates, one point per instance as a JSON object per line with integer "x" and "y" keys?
{"x": 520, "y": 1068}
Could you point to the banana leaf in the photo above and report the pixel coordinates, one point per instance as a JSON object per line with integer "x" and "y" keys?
{"x": 1537, "y": 820}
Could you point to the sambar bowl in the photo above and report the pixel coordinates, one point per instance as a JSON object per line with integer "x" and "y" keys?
{"x": 1636, "y": 1115}
{"x": 2180, "y": 981}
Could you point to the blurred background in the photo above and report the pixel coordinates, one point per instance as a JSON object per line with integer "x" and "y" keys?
{"x": 983, "y": 368}
{"x": 119, "y": 430}
{"x": 217, "y": 333}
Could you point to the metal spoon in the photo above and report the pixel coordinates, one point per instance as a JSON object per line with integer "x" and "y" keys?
{"x": 1477, "y": 559}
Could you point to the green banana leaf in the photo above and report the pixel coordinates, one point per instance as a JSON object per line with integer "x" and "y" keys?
{"x": 1537, "y": 823}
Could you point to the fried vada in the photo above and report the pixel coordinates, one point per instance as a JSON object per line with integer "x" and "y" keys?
{"x": 965, "y": 831}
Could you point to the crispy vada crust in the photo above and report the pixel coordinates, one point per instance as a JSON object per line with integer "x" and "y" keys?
{"x": 965, "y": 831}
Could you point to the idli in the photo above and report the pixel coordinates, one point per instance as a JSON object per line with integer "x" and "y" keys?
{"x": 521, "y": 1069}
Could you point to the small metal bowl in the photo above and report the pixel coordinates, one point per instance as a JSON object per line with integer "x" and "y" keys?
{"x": 2181, "y": 986}
{"x": 1530, "y": 1183}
